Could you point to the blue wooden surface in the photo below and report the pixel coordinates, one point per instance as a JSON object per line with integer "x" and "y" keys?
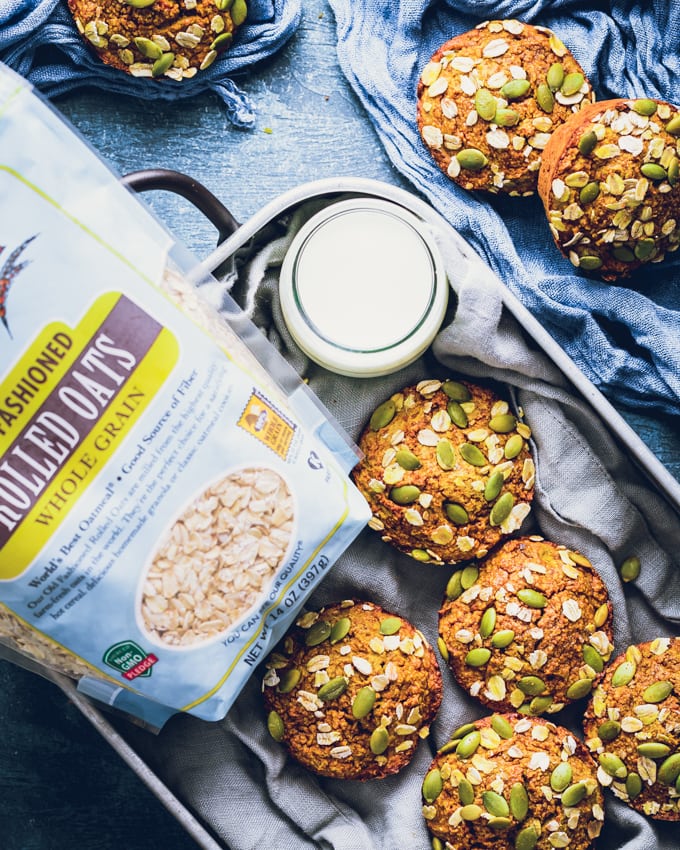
{"x": 61, "y": 786}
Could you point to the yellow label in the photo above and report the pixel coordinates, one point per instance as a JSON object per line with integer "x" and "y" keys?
{"x": 261, "y": 419}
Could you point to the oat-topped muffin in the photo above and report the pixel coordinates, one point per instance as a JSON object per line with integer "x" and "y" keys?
{"x": 513, "y": 783}
{"x": 609, "y": 185}
{"x": 351, "y": 690}
{"x": 158, "y": 38}
{"x": 489, "y": 100}
{"x": 447, "y": 470}
{"x": 632, "y": 727}
{"x": 528, "y": 628}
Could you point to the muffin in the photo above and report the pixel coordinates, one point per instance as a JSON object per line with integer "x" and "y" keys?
{"x": 447, "y": 470}
{"x": 528, "y": 629}
{"x": 489, "y": 100}
{"x": 158, "y": 38}
{"x": 351, "y": 690}
{"x": 609, "y": 185}
{"x": 513, "y": 783}
{"x": 632, "y": 726}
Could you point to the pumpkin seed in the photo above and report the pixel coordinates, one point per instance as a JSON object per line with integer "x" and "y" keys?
{"x": 446, "y": 457}
{"x": 275, "y": 726}
{"x": 544, "y": 97}
{"x": 674, "y": 171}
{"x": 657, "y": 692}
{"x": 390, "y": 625}
{"x": 589, "y": 192}
{"x": 332, "y": 689}
{"x": 406, "y": 494}
{"x": 471, "y": 812}
{"x": 437, "y": 844}
{"x": 471, "y": 159}
{"x": 506, "y": 117}
{"x": 613, "y": 765}
{"x": 453, "y": 587}
{"x": 224, "y": 5}
{"x": 407, "y": 460}
{"x": 501, "y": 509}
{"x": 579, "y": 689}
{"x": 673, "y": 126}
{"x": 221, "y": 41}
{"x": 531, "y": 685}
{"x": 443, "y": 649}
{"x": 488, "y": 622}
{"x": 503, "y": 423}
{"x": 572, "y": 83}
{"x": 340, "y": 629}
{"x": 601, "y": 615}
{"x": 472, "y": 455}
{"x": 630, "y": 568}
{"x": 654, "y": 171}
{"x": 555, "y": 75}
{"x": 420, "y": 555}
{"x": 494, "y": 485}
{"x": 468, "y": 745}
{"x": 288, "y": 680}
{"x": 382, "y": 415}
{"x": 499, "y": 823}
{"x": 466, "y": 792}
{"x": 478, "y": 656}
{"x": 669, "y": 771}
{"x": 561, "y": 777}
{"x": 317, "y": 633}
{"x": 160, "y": 66}
{"x": 532, "y": 598}
{"x": 139, "y": 4}
{"x": 573, "y": 795}
{"x": 462, "y": 731}
{"x": 502, "y": 638}
{"x": 643, "y": 106}
{"x": 456, "y": 513}
{"x": 540, "y": 704}
{"x": 519, "y": 801}
{"x": 513, "y": 447}
{"x": 495, "y": 804}
{"x": 502, "y": 727}
{"x": 515, "y": 89}
{"x": 485, "y": 104}
{"x": 432, "y": 785}
{"x": 379, "y": 740}
{"x": 609, "y": 730}
{"x": 456, "y": 391}
{"x": 589, "y": 262}
{"x": 593, "y": 658}
{"x": 643, "y": 248}
{"x": 457, "y": 414}
{"x": 239, "y": 12}
{"x": 588, "y": 142}
{"x": 149, "y": 48}
{"x": 653, "y": 749}
{"x": 633, "y": 785}
{"x": 623, "y": 254}
{"x": 469, "y": 576}
{"x": 363, "y": 702}
{"x": 527, "y": 838}
{"x": 623, "y": 674}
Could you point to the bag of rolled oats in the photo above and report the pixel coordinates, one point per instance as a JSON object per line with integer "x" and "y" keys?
{"x": 165, "y": 507}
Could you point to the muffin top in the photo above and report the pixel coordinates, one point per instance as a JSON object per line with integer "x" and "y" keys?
{"x": 513, "y": 783}
{"x": 351, "y": 690}
{"x": 632, "y": 726}
{"x": 489, "y": 100}
{"x": 447, "y": 470}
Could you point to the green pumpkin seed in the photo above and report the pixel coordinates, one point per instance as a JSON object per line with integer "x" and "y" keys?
{"x": 456, "y": 513}
{"x": 608, "y": 731}
{"x": 673, "y": 126}
{"x": 677, "y": 784}
{"x": 495, "y": 804}
{"x": 453, "y": 587}
{"x": 432, "y": 785}
{"x": 613, "y": 765}
{"x": 499, "y": 823}
{"x": 644, "y": 106}
{"x": 471, "y": 159}
{"x": 503, "y": 423}
{"x": 623, "y": 254}
{"x": 406, "y": 494}
{"x": 531, "y": 685}
{"x": 502, "y": 638}
{"x": 579, "y": 689}
{"x": 633, "y": 785}
{"x": 654, "y": 171}
{"x": 587, "y": 143}
{"x": 472, "y": 455}
{"x": 502, "y": 727}
{"x": 275, "y": 726}
{"x": 485, "y": 104}
{"x": 466, "y": 792}
{"x": 390, "y": 625}
{"x": 139, "y": 4}
{"x": 488, "y": 622}
{"x": 501, "y": 509}
{"x": 221, "y": 41}
{"x": 630, "y": 568}
{"x": 540, "y": 704}
{"x": 456, "y": 391}
{"x": 515, "y": 89}
{"x": 420, "y": 555}
{"x": 478, "y": 656}
{"x": 555, "y": 75}
{"x": 674, "y": 171}
{"x": 468, "y": 745}
{"x": 601, "y": 615}
{"x": 471, "y": 812}
{"x": 150, "y": 49}
{"x": 407, "y": 460}
{"x": 382, "y": 415}
{"x": 657, "y": 692}
{"x": 363, "y": 702}
{"x": 590, "y": 192}
{"x": 317, "y": 633}
{"x": 446, "y": 457}
{"x": 239, "y": 12}
{"x": 224, "y": 5}
{"x": 593, "y": 658}
{"x": 437, "y": 844}
{"x": 379, "y": 740}
{"x": 589, "y": 262}
{"x": 669, "y": 771}
{"x": 333, "y": 689}
{"x": 462, "y": 731}
{"x": 494, "y": 485}
{"x": 572, "y": 83}
{"x": 561, "y": 777}
{"x": 527, "y": 838}
{"x": 519, "y": 801}
{"x": 653, "y": 750}
{"x": 443, "y": 650}
{"x": 573, "y": 795}
{"x": 340, "y": 629}
{"x": 544, "y": 97}
{"x": 532, "y": 598}
{"x": 513, "y": 447}
{"x": 644, "y": 248}
{"x": 457, "y": 414}
{"x": 623, "y": 674}
{"x": 288, "y": 680}
{"x": 160, "y": 66}
{"x": 506, "y": 117}
{"x": 469, "y": 576}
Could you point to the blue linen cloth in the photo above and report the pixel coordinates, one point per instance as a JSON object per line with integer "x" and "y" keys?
{"x": 625, "y": 337}
{"x": 39, "y": 40}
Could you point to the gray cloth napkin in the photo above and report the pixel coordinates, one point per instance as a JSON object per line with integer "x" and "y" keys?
{"x": 589, "y": 496}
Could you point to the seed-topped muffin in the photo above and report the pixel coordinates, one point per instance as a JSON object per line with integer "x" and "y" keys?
{"x": 513, "y": 783}
{"x": 490, "y": 99}
{"x": 447, "y": 470}
{"x": 528, "y": 628}
{"x": 609, "y": 185}
{"x": 351, "y": 690}
{"x": 158, "y": 38}
{"x": 632, "y": 726}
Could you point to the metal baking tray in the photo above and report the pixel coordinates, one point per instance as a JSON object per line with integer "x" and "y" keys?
{"x": 233, "y": 237}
